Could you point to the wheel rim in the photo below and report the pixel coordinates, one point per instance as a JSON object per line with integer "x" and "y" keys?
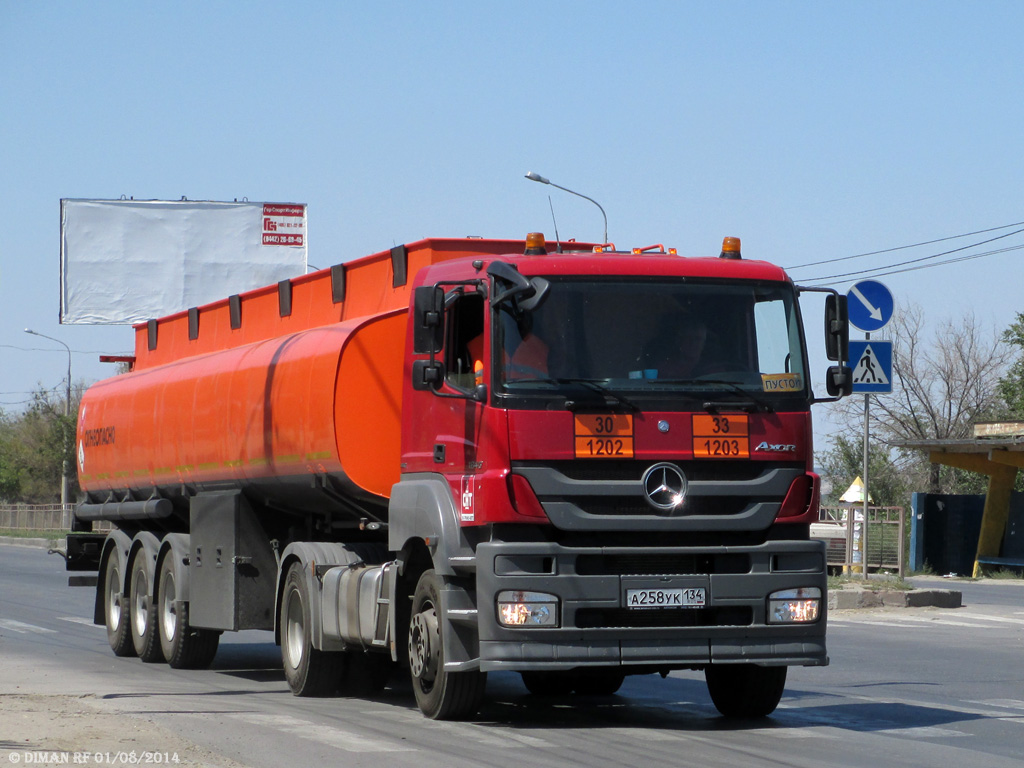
{"x": 113, "y": 597}
{"x": 140, "y": 602}
{"x": 168, "y": 615}
{"x": 424, "y": 646}
{"x": 295, "y": 631}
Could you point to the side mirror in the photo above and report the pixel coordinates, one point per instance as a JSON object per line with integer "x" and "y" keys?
{"x": 527, "y": 294}
{"x": 427, "y": 375}
{"x": 540, "y": 292}
{"x": 839, "y": 380}
{"x": 428, "y": 320}
{"x": 837, "y": 328}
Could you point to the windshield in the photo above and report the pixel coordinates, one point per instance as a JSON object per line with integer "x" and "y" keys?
{"x": 632, "y": 337}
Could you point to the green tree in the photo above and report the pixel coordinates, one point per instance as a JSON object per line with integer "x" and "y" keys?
{"x": 944, "y": 381}
{"x": 33, "y": 448}
{"x": 1011, "y": 386}
{"x": 10, "y": 473}
{"x": 888, "y": 482}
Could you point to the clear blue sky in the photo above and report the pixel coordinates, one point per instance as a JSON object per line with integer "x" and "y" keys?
{"x": 810, "y": 130}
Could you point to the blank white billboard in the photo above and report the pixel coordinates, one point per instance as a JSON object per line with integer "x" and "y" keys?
{"x": 126, "y": 261}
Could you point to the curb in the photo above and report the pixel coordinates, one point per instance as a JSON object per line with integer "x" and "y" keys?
{"x": 851, "y": 599}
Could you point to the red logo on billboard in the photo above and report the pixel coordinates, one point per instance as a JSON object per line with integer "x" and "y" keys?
{"x": 284, "y": 224}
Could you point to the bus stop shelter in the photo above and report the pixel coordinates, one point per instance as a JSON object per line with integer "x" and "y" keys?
{"x": 996, "y": 451}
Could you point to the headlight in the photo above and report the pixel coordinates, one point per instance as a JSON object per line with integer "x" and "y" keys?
{"x": 794, "y": 606}
{"x": 527, "y": 609}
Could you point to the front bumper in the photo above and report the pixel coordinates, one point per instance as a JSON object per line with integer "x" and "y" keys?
{"x": 596, "y": 629}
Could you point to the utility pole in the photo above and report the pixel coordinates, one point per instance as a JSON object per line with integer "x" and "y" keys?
{"x": 65, "y": 484}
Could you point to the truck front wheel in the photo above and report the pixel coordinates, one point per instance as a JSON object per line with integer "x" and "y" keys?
{"x": 115, "y": 611}
{"x": 310, "y": 672}
{"x": 440, "y": 695}
{"x": 745, "y": 690}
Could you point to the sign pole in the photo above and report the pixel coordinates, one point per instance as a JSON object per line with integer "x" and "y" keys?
{"x": 867, "y": 442}
{"x": 871, "y": 308}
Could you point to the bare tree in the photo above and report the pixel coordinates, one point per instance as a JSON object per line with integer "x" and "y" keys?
{"x": 942, "y": 385}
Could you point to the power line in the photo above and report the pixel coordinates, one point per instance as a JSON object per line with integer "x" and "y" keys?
{"x": 889, "y": 267}
{"x": 53, "y": 349}
{"x": 874, "y": 273}
{"x": 904, "y": 247}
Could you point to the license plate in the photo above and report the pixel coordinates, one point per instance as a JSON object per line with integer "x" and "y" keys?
{"x": 694, "y": 597}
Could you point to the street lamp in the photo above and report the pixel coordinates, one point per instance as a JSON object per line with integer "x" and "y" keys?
{"x": 64, "y": 484}
{"x": 541, "y": 180}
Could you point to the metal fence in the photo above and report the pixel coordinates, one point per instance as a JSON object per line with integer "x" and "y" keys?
{"x": 36, "y": 517}
{"x": 860, "y": 546}
{"x": 41, "y": 517}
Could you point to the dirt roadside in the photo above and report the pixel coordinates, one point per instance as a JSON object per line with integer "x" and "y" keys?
{"x": 39, "y": 729}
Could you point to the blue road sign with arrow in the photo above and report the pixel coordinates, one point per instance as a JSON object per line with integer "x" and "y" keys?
{"x": 872, "y": 366}
{"x": 870, "y": 304}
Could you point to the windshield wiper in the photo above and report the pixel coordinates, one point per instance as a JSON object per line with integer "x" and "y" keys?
{"x": 609, "y": 396}
{"x": 752, "y": 403}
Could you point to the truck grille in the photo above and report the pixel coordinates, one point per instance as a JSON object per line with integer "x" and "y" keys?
{"x": 717, "y": 505}
{"x": 598, "y": 618}
{"x": 660, "y": 565}
{"x": 719, "y": 496}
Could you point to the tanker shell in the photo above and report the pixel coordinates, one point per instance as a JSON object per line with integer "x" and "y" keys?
{"x": 321, "y": 401}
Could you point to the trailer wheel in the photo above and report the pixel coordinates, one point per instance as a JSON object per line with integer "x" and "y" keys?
{"x": 115, "y": 611}
{"x": 142, "y": 610}
{"x": 310, "y": 672}
{"x": 183, "y": 646}
{"x": 440, "y": 695}
{"x": 745, "y": 690}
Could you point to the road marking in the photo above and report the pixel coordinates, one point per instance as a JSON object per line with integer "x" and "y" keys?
{"x": 1006, "y": 703}
{"x": 937, "y": 621}
{"x": 325, "y": 734}
{"x": 985, "y": 617}
{"x": 22, "y": 628}
{"x": 80, "y": 620}
{"x": 923, "y": 732}
{"x": 815, "y": 731}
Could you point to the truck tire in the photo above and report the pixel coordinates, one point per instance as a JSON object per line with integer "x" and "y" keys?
{"x": 115, "y": 612}
{"x": 142, "y": 612}
{"x": 440, "y": 695}
{"x": 309, "y": 672}
{"x": 745, "y": 690}
{"x": 183, "y": 646}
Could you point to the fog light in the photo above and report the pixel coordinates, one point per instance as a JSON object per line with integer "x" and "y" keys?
{"x": 794, "y": 606}
{"x": 527, "y": 609}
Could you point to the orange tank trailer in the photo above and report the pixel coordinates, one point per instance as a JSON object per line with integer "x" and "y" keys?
{"x": 296, "y": 380}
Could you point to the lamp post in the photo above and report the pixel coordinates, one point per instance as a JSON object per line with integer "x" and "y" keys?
{"x": 541, "y": 180}
{"x": 64, "y": 484}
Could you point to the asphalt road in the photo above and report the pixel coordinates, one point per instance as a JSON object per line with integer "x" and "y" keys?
{"x": 911, "y": 687}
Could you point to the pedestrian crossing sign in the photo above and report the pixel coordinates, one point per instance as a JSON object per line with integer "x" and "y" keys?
{"x": 872, "y": 366}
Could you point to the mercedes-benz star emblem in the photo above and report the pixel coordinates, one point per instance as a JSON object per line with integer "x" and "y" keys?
{"x": 665, "y": 486}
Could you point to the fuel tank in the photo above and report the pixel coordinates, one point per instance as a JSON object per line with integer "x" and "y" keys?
{"x": 274, "y": 414}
